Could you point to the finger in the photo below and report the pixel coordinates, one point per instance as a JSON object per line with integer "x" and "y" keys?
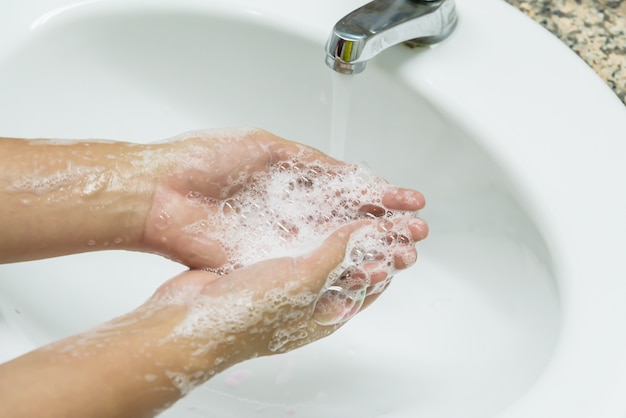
{"x": 399, "y": 198}
{"x": 405, "y": 257}
{"x": 199, "y": 252}
{"x": 192, "y": 249}
{"x": 184, "y": 286}
{"x": 336, "y": 306}
{"x": 321, "y": 263}
{"x": 404, "y": 230}
{"x": 418, "y": 229}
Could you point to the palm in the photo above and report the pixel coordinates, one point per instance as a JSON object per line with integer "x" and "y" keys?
{"x": 201, "y": 173}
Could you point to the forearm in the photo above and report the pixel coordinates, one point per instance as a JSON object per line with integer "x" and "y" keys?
{"x": 59, "y": 198}
{"x": 39, "y": 384}
{"x": 128, "y": 370}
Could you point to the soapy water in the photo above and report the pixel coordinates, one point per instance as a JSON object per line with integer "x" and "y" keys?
{"x": 291, "y": 209}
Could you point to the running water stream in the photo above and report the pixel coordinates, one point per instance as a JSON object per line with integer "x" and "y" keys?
{"x": 342, "y": 85}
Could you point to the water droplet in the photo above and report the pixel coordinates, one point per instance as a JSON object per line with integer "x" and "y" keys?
{"x": 164, "y": 220}
{"x": 194, "y": 198}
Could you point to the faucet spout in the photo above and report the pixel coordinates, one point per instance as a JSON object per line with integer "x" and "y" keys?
{"x": 380, "y": 24}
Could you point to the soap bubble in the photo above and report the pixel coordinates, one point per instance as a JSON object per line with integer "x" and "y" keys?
{"x": 292, "y": 208}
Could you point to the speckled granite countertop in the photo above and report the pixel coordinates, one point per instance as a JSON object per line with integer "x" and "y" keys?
{"x": 595, "y": 29}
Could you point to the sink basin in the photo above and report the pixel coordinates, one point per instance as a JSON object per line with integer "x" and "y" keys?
{"x": 516, "y": 144}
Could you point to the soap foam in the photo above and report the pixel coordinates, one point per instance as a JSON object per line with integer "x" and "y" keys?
{"x": 291, "y": 209}
{"x": 88, "y": 179}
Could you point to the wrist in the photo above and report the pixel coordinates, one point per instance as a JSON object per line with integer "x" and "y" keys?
{"x": 112, "y": 200}
{"x": 126, "y": 202}
{"x": 150, "y": 341}
{"x": 64, "y": 198}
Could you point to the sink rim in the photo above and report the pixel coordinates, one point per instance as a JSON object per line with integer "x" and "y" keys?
{"x": 552, "y": 191}
{"x": 434, "y": 74}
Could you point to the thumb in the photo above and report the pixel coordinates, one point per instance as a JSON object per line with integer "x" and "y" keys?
{"x": 197, "y": 252}
{"x": 319, "y": 264}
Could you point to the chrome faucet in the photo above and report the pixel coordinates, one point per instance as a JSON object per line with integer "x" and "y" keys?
{"x": 365, "y": 32}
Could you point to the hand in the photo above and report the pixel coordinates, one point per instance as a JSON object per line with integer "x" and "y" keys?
{"x": 194, "y": 326}
{"x": 59, "y": 198}
{"x": 196, "y": 174}
{"x": 214, "y": 321}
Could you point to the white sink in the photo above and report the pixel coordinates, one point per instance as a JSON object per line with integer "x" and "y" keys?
{"x": 516, "y": 306}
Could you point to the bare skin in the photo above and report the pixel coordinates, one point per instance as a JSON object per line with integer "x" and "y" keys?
{"x": 141, "y": 363}
{"x": 104, "y": 195}
{"x": 118, "y": 193}
{"x": 70, "y": 377}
